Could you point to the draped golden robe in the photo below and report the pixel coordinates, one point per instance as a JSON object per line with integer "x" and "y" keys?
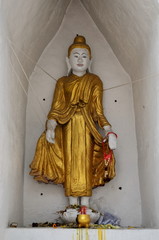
{"x": 76, "y": 158}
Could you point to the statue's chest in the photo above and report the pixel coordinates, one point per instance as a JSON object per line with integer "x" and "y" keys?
{"x": 77, "y": 90}
{"x": 72, "y": 89}
{"x": 71, "y": 86}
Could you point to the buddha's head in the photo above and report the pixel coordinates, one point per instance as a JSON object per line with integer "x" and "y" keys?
{"x": 79, "y": 56}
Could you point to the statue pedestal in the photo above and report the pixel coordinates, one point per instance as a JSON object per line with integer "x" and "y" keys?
{"x": 70, "y": 215}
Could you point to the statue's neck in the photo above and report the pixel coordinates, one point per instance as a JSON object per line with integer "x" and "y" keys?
{"x": 79, "y": 74}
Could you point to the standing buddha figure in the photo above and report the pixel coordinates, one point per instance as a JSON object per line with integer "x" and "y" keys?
{"x": 70, "y": 151}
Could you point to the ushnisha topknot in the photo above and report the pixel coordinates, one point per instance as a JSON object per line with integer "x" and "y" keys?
{"x": 79, "y": 42}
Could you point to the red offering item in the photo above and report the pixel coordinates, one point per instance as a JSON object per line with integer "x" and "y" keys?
{"x": 83, "y": 210}
{"x": 112, "y": 133}
{"x": 107, "y": 157}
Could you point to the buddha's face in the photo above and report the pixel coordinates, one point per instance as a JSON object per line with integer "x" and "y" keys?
{"x": 79, "y": 60}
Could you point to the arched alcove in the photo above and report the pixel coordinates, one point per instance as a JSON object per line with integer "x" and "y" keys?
{"x": 118, "y": 104}
{"x": 123, "y": 36}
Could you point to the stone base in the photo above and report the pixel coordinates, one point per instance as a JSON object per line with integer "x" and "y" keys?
{"x": 70, "y": 215}
{"x": 82, "y": 234}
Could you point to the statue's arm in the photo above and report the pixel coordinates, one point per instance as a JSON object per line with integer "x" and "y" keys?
{"x": 102, "y": 121}
{"x": 98, "y": 106}
{"x": 58, "y": 101}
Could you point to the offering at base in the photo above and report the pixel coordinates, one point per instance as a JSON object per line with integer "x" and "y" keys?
{"x": 70, "y": 214}
{"x": 108, "y": 218}
{"x": 83, "y": 219}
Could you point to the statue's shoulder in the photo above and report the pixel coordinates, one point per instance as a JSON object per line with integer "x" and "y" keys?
{"x": 95, "y": 77}
{"x": 61, "y": 79}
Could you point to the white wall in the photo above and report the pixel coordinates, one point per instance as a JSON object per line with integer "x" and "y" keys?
{"x": 12, "y": 121}
{"x": 147, "y": 108}
{"x": 31, "y": 25}
{"x": 25, "y": 26}
{"x": 147, "y": 117}
{"x": 132, "y": 29}
{"x": 124, "y": 203}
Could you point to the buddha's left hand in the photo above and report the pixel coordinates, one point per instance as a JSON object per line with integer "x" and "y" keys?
{"x": 112, "y": 137}
{"x": 50, "y": 132}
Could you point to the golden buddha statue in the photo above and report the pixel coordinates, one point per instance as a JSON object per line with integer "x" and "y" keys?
{"x": 70, "y": 151}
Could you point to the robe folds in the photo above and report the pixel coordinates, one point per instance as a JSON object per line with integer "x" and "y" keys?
{"x": 76, "y": 158}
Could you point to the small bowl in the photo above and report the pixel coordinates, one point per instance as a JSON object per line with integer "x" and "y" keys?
{"x": 83, "y": 220}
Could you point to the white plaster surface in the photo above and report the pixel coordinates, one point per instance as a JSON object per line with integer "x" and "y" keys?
{"x": 82, "y": 234}
{"x": 28, "y": 25}
{"x": 12, "y": 122}
{"x": 147, "y": 117}
{"x": 124, "y": 203}
{"x": 31, "y": 25}
{"x": 132, "y": 30}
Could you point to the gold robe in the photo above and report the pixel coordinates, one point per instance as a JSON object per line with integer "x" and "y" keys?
{"x": 76, "y": 158}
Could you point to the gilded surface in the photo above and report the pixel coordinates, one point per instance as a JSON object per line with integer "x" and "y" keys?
{"x": 101, "y": 234}
{"x": 76, "y": 158}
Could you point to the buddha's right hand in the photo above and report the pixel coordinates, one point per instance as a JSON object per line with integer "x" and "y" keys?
{"x": 50, "y": 132}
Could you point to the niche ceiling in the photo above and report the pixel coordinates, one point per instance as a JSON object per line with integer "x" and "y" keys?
{"x": 128, "y": 26}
